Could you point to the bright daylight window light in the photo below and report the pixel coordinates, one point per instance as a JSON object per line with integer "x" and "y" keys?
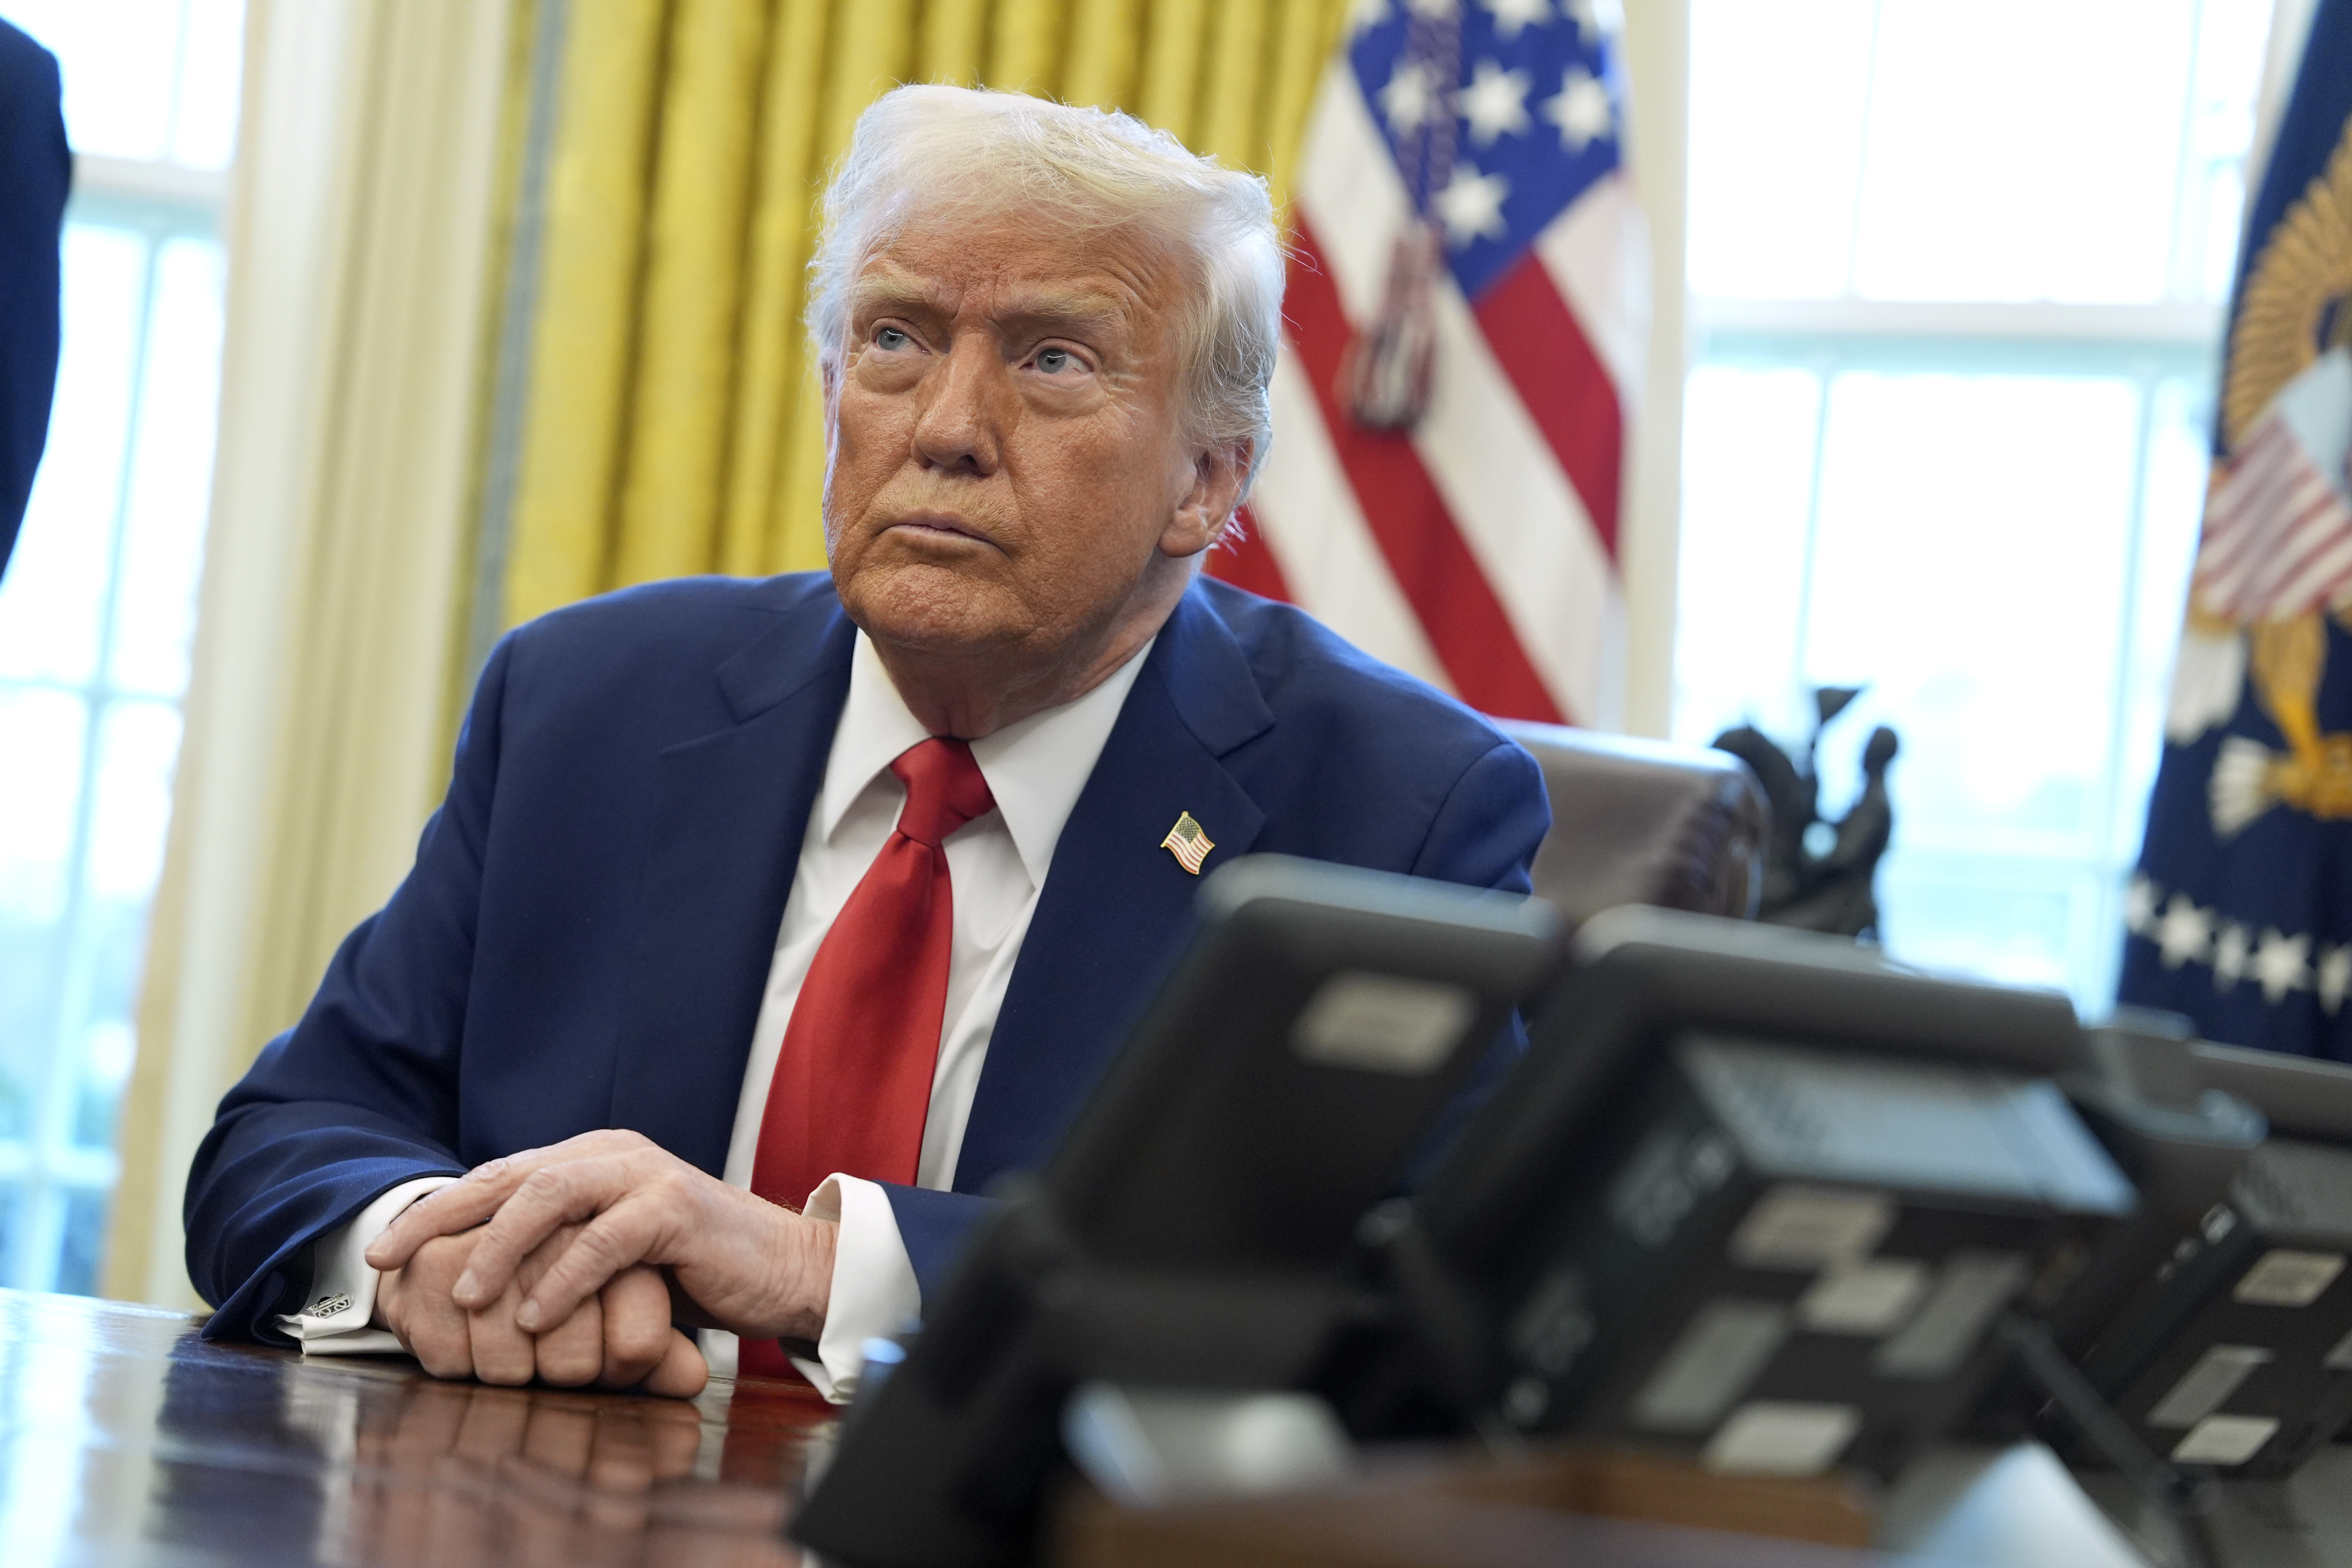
{"x": 1958, "y": 294}
{"x": 97, "y": 609}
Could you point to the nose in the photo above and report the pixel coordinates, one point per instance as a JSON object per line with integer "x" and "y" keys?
{"x": 957, "y": 429}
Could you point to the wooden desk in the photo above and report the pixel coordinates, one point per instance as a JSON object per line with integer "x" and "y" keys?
{"x": 125, "y": 1439}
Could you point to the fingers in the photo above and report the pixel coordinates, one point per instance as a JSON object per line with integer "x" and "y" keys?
{"x": 548, "y": 1199}
{"x": 466, "y": 1202}
{"x": 573, "y": 1353}
{"x": 637, "y": 1332}
{"x": 614, "y": 1240}
{"x": 502, "y": 1352}
{"x": 682, "y": 1374}
{"x": 416, "y": 1306}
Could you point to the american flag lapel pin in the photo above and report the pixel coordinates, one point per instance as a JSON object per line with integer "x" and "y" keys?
{"x": 1188, "y": 843}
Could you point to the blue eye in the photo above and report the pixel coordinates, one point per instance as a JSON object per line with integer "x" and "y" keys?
{"x": 890, "y": 338}
{"x": 1053, "y": 362}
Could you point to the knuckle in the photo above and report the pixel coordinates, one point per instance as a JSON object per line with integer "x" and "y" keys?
{"x": 547, "y": 1181}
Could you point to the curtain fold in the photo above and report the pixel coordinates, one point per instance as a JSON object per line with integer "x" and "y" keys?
{"x": 672, "y": 420}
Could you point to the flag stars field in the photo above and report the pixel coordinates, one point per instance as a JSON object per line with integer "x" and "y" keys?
{"x": 1511, "y": 16}
{"x": 2230, "y": 950}
{"x": 1410, "y": 100}
{"x": 1479, "y": 550}
{"x": 2334, "y": 975}
{"x": 2184, "y": 932}
{"x": 2281, "y": 963}
{"x": 1581, "y": 109}
{"x": 1496, "y": 103}
{"x": 1472, "y": 206}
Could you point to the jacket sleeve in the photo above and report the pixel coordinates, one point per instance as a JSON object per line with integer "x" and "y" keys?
{"x": 361, "y": 1094}
{"x": 935, "y": 1226}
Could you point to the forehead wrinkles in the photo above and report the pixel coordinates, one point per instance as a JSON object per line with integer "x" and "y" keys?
{"x": 1050, "y": 270}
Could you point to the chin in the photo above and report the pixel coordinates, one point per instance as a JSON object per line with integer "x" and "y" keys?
{"x": 933, "y": 609}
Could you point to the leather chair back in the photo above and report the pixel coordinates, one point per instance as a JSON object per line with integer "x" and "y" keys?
{"x": 1645, "y": 822}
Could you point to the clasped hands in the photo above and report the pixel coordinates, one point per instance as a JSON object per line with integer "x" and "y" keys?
{"x": 578, "y": 1263}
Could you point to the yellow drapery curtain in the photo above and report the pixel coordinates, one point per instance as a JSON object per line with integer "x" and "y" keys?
{"x": 671, "y": 422}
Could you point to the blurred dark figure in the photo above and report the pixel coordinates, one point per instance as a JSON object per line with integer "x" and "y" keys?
{"x": 36, "y": 172}
{"x": 1819, "y": 875}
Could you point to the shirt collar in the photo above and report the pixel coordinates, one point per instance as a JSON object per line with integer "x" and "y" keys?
{"x": 1035, "y": 769}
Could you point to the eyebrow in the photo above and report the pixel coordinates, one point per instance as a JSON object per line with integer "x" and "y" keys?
{"x": 1039, "y": 305}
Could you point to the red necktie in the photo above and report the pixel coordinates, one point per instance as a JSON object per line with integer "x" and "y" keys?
{"x": 852, "y": 1082}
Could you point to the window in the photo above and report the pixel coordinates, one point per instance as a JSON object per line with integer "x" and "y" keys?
{"x": 1960, "y": 273}
{"x": 98, "y": 609}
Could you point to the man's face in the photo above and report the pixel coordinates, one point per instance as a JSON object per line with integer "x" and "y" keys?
{"x": 1007, "y": 467}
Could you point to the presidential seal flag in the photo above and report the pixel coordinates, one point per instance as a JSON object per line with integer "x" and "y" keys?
{"x": 2241, "y": 914}
{"x": 1466, "y": 323}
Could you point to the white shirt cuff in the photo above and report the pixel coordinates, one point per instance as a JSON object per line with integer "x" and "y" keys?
{"x": 342, "y": 1286}
{"x": 873, "y": 1293}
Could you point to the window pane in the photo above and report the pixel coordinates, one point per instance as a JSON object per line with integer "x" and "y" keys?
{"x": 2178, "y": 459}
{"x": 1920, "y": 149}
{"x": 82, "y": 1247}
{"x": 118, "y": 59}
{"x": 1747, "y": 485}
{"x": 43, "y": 735}
{"x": 2231, "y": 35}
{"x": 98, "y": 609}
{"x": 130, "y": 808}
{"x": 1777, "y": 94}
{"x": 52, "y": 600}
{"x": 1967, "y": 571}
{"x": 171, "y": 475}
{"x": 2020, "y": 923}
{"x": 150, "y": 80}
{"x": 1999, "y": 168}
{"x": 211, "y": 66}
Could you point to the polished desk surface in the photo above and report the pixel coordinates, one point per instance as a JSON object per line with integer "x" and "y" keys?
{"x": 126, "y": 1439}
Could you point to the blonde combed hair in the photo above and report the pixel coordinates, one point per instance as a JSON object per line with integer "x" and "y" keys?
{"x": 1086, "y": 168}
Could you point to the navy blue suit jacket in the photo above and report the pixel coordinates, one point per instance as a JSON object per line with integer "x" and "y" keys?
{"x": 587, "y": 932}
{"x": 36, "y": 172}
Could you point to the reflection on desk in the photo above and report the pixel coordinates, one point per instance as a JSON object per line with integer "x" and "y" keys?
{"x": 124, "y": 1439}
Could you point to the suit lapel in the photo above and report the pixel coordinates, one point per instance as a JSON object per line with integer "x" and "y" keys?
{"x": 731, "y": 809}
{"x": 1116, "y": 906}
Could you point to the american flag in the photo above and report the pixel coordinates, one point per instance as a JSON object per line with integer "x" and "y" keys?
{"x": 1476, "y": 548}
{"x": 2278, "y": 524}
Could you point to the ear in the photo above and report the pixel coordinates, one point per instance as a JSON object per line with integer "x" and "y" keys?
{"x": 1220, "y": 478}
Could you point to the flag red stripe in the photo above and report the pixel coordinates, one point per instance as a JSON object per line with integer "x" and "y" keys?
{"x": 2295, "y": 560}
{"x": 1243, "y": 559}
{"x": 1566, "y": 389}
{"x": 1439, "y": 578}
{"x": 2297, "y": 542}
{"x": 2319, "y": 580}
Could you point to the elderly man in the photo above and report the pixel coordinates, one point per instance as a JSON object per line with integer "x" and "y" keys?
{"x": 766, "y": 923}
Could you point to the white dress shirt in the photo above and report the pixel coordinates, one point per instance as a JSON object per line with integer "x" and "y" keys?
{"x": 996, "y": 865}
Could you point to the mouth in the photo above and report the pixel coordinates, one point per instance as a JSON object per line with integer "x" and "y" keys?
{"x": 938, "y": 528}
